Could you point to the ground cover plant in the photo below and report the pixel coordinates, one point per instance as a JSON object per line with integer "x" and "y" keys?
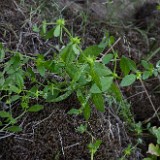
{"x": 95, "y": 76}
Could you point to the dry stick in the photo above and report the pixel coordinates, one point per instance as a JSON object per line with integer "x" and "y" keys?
{"x": 134, "y": 95}
{"x": 150, "y": 100}
{"x": 6, "y": 135}
{"x": 45, "y": 119}
{"x": 149, "y": 119}
{"x": 110, "y": 49}
{"x": 72, "y": 145}
{"x": 60, "y": 138}
{"x": 119, "y": 137}
{"x": 18, "y": 8}
{"x": 20, "y": 41}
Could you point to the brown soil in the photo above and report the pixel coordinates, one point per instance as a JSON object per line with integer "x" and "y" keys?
{"x": 50, "y": 134}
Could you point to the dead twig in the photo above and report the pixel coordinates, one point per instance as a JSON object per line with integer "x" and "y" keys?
{"x": 72, "y": 145}
{"x": 60, "y": 138}
{"x": 150, "y": 100}
{"x": 110, "y": 49}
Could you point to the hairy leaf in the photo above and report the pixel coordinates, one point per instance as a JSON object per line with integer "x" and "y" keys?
{"x": 128, "y": 80}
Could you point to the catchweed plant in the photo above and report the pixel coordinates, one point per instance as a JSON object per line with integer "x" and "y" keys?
{"x": 70, "y": 70}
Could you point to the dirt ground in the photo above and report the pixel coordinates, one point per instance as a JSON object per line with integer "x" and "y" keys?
{"x": 50, "y": 134}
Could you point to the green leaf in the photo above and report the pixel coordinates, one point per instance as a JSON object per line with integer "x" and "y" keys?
{"x": 14, "y": 129}
{"x": 111, "y": 40}
{"x": 158, "y": 7}
{"x": 155, "y": 72}
{"x": 14, "y": 98}
{"x": 57, "y": 31}
{"x": 115, "y": 91}
{"x": 78, "y": 73}
{"x": 2, "y": 80}
{"x": 93, "y": 147}
{"x": 35, "y": 28}
{"x": 61, "y": 97}
{"x": 107, "y": 58}
{"x": 145, "y": 64}
{"x": 95, "y": 77}
{"x": 75, "y": 111}
{"x": 41, "y": 69}
{"x": 128, "y": 80}
{"x": 67, "y": 54}
{"x": 75, "y": 49}
{"x": 124, "y": 66}
{"x": 158, "y": 64}
{"x": 35, "y": 108}
{"x": 13, "y": 64}
{"x": 14, "y": 89}
{"x": 95, "y": 89}
{"x": 132, "y": 65}
{"x": 72, "y": 70}
{"x": 82, "y": 128}
{"x": 4, "y": 114}
{"x": 106, "y": 83}
{"x": 146, "y": 75}
{"x": 87, "y": 111}
{"x": 24, "y": 105}
{"x": 44, "y": 28}
{"x": 91, "y": 51}
{"x": 154, "y": 150}
{"x": 98, "y": 100}
{"x": 50, "y": 34}
{"x": 83, "y": 99}
{"x": 2, "y": 52}
{"x": 33, "y": 91}
{"x": 40, "y": 63}
{"x": 12, "y": 120}
{"x": 19, "y": 80}
{"x": 156, "y": 132}
{"x": 102, "y": 70}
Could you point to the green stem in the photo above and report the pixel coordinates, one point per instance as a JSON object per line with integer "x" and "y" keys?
{"x": 92, "y": 155}
{"x": 66, "y": 30}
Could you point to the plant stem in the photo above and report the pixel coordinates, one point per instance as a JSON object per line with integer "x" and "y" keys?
{"x": 92, "y": 155}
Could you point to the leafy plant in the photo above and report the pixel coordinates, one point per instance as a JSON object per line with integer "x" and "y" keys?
{"x": 94, "y": 145}
{"x": 154, "y": 150}
{"x": 70, "y": 70}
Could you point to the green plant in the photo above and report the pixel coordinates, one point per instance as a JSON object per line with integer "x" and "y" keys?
{"x": 127, "y": 152}
{"x": 71, "y": 70}
{"x": 89, "y": 78}
{"x": 80, "y": 71}
{"x": 154, "y": 150}
{"x": 94, "y": 145}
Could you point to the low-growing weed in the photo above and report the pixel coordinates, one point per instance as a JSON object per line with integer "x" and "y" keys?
{"x": 27, "y": 79}
{"x": 154, "y": 150}
{"x": 94, "y": 145}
